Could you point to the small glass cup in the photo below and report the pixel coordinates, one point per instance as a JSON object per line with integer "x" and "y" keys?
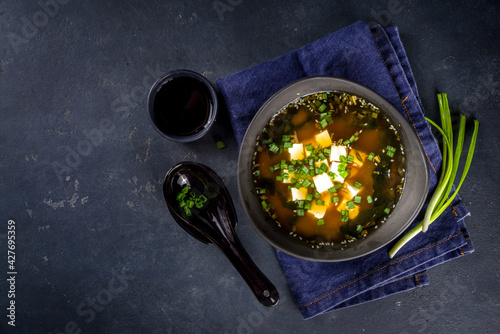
{"x": 182, "y": 105}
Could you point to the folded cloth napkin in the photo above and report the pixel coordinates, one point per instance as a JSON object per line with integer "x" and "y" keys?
{"x": 374, "y": 57}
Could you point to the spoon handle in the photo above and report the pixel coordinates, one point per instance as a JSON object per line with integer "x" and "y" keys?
{"x": 229, "y": 243}
{"x": 265, "y": 292}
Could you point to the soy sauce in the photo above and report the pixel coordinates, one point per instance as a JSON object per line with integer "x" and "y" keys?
{"x": 182, "y": 106}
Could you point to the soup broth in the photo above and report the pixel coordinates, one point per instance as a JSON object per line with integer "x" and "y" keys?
{"x": 329, "y": 168}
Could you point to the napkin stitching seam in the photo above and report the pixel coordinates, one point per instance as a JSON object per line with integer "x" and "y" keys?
{"x": 376, "y": 270}
{"x": 412, "y": 276}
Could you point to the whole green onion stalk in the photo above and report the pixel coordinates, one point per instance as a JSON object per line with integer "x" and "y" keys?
{"x": 440, "y": 200}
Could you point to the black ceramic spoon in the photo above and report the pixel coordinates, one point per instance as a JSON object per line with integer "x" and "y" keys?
{"x": 213, "y": 221}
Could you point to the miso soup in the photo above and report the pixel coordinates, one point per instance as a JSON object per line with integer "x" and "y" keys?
{"x": 329, "y": 168}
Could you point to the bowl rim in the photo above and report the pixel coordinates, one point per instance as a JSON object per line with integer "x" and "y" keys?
{"x": 412, "y": 199}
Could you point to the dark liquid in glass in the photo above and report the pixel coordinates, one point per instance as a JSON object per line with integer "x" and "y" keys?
{"x": 182, "y": 106}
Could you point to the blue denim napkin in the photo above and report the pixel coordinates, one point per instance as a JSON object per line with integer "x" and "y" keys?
{"x": 374, "y": 57}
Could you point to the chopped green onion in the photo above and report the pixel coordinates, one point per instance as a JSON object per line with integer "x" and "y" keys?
{"x": 371, "y": 156}
{"x": 357, "y": 199}
{"x": 306, "y": 183}
{"x": 357, "y": 185}
{"x": 359, "y": 229}
{"x": 350, "y": 159}
{"x": 350, "y": 205}
{"x": 369, "y": 199}
{"x": 323, "y": 123}
{"x": 344, "y": 216}
{"x": 285, "y": 138}
{"x": 309, "y": 197}
{"x": 220, "y": 144}
{"x": 320, "y": 202}
{"x": 322, "y": 107}
{"x": 320, "y": 222}
{"x": 274, "y": 148}
{"x": 309, "y": 147}
{"x": 335, "y": 199}
{"x": 300, "y": 212}
{"x": 387, "y": 210}
{"x": 288, "y": 144}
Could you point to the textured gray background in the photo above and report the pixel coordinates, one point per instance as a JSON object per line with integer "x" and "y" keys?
{"x": 81, "y": 167}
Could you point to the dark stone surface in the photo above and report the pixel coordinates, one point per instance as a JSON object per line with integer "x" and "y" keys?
{"x": 81, "y": 167}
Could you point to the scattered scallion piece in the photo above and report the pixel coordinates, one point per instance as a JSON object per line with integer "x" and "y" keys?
{"x": 320, "y": 222}
{"x": 440, "y": 200}
{"x": 220, "y": 144}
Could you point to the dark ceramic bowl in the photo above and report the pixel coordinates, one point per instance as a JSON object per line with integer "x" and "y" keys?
{"x": 412, "y": 198}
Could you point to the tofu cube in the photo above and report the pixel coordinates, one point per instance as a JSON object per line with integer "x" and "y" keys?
{"x": 322, "y": 182}
{"x": 323, "y": 139}
{"x": 334, "y": 168}
{"x": 336, "y": 151}
{"x": 317, "y": 210}
{"x": 296, "y": 152}
{"x": 290, "y": 176}
{"x": 352, "y": 191}
{"x": 353, "y": 213}
{"x": 299, "y": 194}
